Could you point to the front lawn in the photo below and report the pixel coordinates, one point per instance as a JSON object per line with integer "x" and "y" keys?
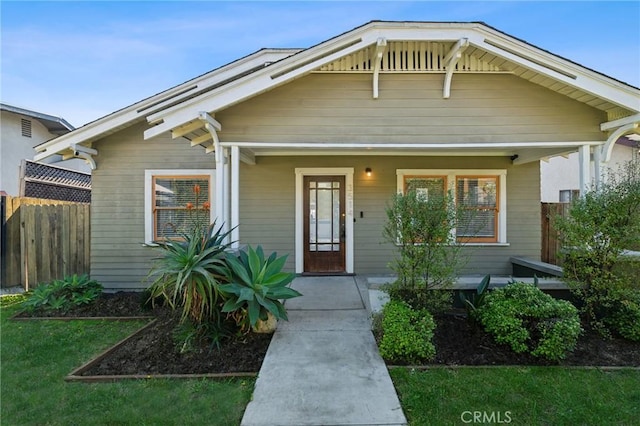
{"x": 36, "y": 356}
{"x": 518, "y": 395}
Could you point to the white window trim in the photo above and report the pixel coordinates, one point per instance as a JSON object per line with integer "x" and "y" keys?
{"x": 451, "y": 174}
{"x": 148, "y": 194}
{"x": 347, "y": 172}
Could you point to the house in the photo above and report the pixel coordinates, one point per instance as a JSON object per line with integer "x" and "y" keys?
{"x": 560, "y": 175}
{"x": 20, "y": 131}
{"x": 299, "y": 150}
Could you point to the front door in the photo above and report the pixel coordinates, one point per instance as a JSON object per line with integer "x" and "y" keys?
{"x": 324, "y": 224}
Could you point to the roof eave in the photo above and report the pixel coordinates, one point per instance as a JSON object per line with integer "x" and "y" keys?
{"x": 139, "y": 110}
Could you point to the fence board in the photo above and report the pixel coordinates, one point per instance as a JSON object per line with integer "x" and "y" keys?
{"x": 550, "y": 237}
{"x": 44, "y": 240}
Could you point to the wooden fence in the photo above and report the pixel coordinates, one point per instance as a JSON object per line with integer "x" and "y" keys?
{"x": 550, "y": 237}
{"x": 42, "y": 240}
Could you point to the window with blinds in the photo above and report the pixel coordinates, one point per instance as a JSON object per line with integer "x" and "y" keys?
{"x": 477, "y": 200}
{"x": 180, "y": 204}
{"x": 478, "y": 194}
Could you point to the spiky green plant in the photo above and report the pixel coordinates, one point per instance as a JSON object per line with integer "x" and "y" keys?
{"x": 256, "y": 286}
{"x": 188, "y": 274}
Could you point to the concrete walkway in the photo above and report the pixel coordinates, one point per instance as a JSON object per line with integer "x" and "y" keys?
{"x": 323, "y": 366}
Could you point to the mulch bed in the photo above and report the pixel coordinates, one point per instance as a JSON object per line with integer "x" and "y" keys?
{"x": 457, "y": 340}
{"x": 460, "y": 342}
{"x": 154, "y": 352}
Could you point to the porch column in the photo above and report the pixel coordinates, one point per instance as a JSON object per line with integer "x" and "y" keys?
{"x": 227, "y": 189}
{"x": 235, "y": 196}
{"x": 220, "y": 190}
{"x": 598, "y": 167}
{"x": 585, "y": 168}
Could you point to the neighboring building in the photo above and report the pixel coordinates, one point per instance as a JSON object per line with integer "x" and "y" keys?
{"x": 300, "y": 150}
{"x": 21, "y": 130}
{"x": 560, "y": 176}
{"x": 48, "y": 181}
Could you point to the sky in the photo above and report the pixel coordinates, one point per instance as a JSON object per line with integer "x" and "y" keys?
{"x": 81, "y": 60}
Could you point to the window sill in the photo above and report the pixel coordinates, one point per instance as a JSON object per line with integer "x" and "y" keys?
{"x": 475, "y": 244}
{"x": 488, "y": 244}
{"x": 151, "y": 244}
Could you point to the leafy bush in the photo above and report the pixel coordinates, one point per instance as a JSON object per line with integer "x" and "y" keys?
{"x": 623, "y": 313}
{"x": 528, "y": 320}
{"x": 256, "y": 286}
{"x": 188, "y": 274}
{"x": 429, "y": 257}
{"x": 75, "y": 290}
{"x": 600, "y": 226}
{"x": 406, "y": 334}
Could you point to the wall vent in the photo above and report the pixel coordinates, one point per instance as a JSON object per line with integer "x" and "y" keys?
{"x": 26, "y": 127}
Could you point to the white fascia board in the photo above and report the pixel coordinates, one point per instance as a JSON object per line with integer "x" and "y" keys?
{"x": 242, "y": 89}
{"x": 392, "y": 145}
{"x": 139, "y": 110}
{"x": 557, "y": 68}
{"x": 289, "y": 69}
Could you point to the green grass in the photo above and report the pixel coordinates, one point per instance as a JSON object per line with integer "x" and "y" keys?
{"x": 530, "y": 395}
{"x": 35, "y": 357}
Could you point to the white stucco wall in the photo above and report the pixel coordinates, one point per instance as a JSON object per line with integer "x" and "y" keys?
{"x": 14, "y": 148}
{"x": 560, "y": 173}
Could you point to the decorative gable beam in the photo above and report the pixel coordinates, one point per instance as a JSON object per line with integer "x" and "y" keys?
{"x": 186, "y": 129}
{"x": 213, "y": 127}
{"x": 607, "y": 148}
{"x": 247, "y": 156}
{"x": 201, "y": 139}
{"x": 451, "y": 59}
{"x": 381, "y": 45}
{"x": 84, "y": 152}
{"x": 620, "y": 122}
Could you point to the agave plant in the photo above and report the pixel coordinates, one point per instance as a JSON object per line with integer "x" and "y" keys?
{"x": 257, "y": 286}
{"x": 188, "y": 274}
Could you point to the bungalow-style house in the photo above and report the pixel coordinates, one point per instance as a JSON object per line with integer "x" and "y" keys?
{"x": 299, "y": 150}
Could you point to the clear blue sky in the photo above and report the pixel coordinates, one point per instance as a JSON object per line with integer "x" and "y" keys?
{"x": 83, "y": 60}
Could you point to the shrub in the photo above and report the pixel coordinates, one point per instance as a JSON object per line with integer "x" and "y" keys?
{"x": 428, "y": 256}
{"x": 600, "y": 226}
{"x": 623, "y": 313}
{"x": 528, "y": 320}
{"x": 406, "y": 334}
{"x": 75, "y": 290}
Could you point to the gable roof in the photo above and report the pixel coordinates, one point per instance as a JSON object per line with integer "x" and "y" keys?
{"x": 180, "y": 107}
{"x": 55, "y": 125}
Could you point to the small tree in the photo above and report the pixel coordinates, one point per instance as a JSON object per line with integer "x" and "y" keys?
{"x": 600, "y": 226}
{"x": 429, "y": 258}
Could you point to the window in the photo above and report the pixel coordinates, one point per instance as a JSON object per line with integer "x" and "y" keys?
{"x": 568, "y": 195}
{"x": 176, "y": 201}
{"x": 480, "y": 194}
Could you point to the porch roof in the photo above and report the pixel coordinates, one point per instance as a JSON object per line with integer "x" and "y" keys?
{"x": 461, "y": 47}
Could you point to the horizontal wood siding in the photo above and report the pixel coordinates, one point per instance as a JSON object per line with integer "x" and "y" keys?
{"x": 340, "y": 108}
{"x": 267, "y": 214}
{"x": 410, "y": 109}
{"x": 118, "y": 258}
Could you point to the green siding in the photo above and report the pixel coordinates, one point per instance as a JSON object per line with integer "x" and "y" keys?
{"x": 410, "y": 109}
{"x": 118, "y": 258}
{"x": 340, "y": 108}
